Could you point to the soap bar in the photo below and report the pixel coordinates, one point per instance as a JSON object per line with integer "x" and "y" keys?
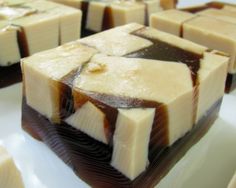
{"x": 117, "y": 101}
{"x": 102, "y": 15}
{"x": 9, "y": 174}
{"x": 213, "y": 26}
{"x": 32, "y": 26}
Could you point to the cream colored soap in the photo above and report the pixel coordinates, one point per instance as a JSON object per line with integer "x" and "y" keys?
{"x": 10, "y": 176}
{"x": 90, "y": 120}
{"x": 41, "y": 31}
{"x": 117, "y": 41}
{"x": 28, "y": 27}
{"x": 40, "y": 68}
{"x": 131, "y": 141}
{"x": 222, "y": 14}
{"x": 170, "y": 21}
{"x": 95, "y": 16}
{"x": 104, "y": 82}
{"x": 214, "y": 34}
{"x": 9, "y": 52}
{"x": 127, "y": 12}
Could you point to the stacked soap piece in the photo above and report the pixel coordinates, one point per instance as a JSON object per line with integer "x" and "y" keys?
{"x": 10, "y": 177}
{"x": 105, "y": 14}
{"x": 122, "y": 99}
{"x": 28, "y": 27}
{"x": 213, "y": 27}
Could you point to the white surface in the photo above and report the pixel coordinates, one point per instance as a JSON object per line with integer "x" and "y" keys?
{"x": 209, "y": 164}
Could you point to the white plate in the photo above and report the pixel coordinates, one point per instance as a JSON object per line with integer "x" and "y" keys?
{"x": 209, "y": 164}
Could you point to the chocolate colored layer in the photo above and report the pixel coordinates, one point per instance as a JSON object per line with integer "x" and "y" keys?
{"x": 107, "y": 22}
{"x": 10, "y": 75}
{"x": 84, "y": 8}
{"x": 22, "y": 42}
{"x": 163, "y": 51}
{"x": 230, "y": 83}
{"x": 90, "y": 159}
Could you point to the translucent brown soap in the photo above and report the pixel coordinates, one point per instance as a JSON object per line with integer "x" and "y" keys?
{"x": 27, "y": 27}
{"x": 212, "y": 25}
{"x": 108, "y": 99}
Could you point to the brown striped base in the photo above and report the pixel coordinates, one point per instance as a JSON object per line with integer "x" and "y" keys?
{"x": 90, "y": 159}
{"x": 10, "y": 75}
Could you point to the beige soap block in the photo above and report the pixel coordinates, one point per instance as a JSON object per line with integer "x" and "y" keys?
{"x": 131, "y": 141}
{"x": 38, "y": 32}
{"x": 90, "y": 120}
{"x": 70, "y": 23}
{"x": 115, "y": 42}
{"x": 27, "y": 27}
{"x": 214, "y": 34}
{"x": 220, "y": 14}
{"x": 232, "y": 183}
{"x": 212, "y": 77}
{"x": 152, "y": 6}
{"x": 229, "y": 8}
{"x": 170, "y": 21}
{"x": 95, "y": 16}
{"x": 212, "y": 28}
{"x": 40, "y": 68}
{"x": 9, "y": 49}
{"x": 169, "y": 99}
{"x": 212, "y": 73}
{"x": 10, "y": 176}
{"x": 127, "y": 12}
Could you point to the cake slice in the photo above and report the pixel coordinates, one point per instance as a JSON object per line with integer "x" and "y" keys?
{"x": 210, "y": 27}
{"x": 120, "y": 106}
{"x": 9, "y": 174}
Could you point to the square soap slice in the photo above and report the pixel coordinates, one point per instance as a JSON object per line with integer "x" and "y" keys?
{"x": 132, "y": 92}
